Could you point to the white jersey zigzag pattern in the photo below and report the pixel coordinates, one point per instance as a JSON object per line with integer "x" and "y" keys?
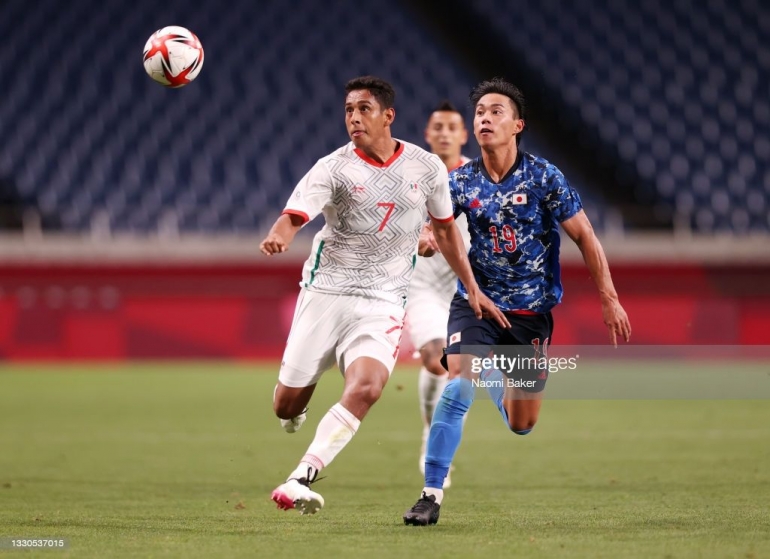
{"x": 374, "y": 214}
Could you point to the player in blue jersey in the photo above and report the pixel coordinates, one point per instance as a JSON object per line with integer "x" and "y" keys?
{"x": 515, "y": 203}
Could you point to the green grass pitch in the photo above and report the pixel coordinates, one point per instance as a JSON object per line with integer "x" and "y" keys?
{"x": 179, "y": 460}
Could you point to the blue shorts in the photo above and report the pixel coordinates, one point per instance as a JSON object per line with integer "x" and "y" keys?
{"x": 525, "y": 343}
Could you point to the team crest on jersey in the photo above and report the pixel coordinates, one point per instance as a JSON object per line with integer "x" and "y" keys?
{"x": 414, "y": 193}
{"x": 358, "y": 189}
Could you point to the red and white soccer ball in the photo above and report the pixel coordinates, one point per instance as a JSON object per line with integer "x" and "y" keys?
{"x": 173, "y": 56}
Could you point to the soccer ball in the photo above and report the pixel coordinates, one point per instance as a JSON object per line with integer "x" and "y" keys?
{"x": 173, "y": 56}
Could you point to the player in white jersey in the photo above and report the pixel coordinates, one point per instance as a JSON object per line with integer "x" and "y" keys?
{"x": 373, "y": 193}
{"x": 434, "y": 283}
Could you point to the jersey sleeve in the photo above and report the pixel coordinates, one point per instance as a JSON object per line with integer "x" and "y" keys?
{"x": 561, "y": 200}
{"x": 439, "y": 202}
{"x": 311, "y": 194}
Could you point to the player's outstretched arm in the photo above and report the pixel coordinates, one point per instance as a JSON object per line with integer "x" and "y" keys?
{"x": 450, "y": 243}
{"x": 281, "y": 234}
{"x": 579, "y": 229}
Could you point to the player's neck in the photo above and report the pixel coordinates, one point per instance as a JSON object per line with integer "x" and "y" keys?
{"x": 451, "y": 161}
{"x": 498, "y": 161}
{"x": 382, "y": 150}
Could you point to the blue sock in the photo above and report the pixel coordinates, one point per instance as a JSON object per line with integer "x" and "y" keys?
{"x": 495, "y": 387}
{"x": 446, "y": 430}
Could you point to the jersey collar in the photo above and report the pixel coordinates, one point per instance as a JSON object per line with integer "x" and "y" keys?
{"x": 510, "y": 172}
{"x": 370, "y": 161}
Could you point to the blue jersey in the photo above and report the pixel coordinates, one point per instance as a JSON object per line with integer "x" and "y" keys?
{"x": 514, "y": 230}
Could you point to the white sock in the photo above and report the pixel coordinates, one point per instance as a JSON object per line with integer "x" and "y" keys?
{"x": 335, "y": 430}
{"x": 437, "y": 493}
{"x": 429, "y": 389}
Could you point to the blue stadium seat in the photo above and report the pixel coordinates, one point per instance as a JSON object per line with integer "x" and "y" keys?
{"x": 88, "y": 134}
{"x": 680, "y": 89}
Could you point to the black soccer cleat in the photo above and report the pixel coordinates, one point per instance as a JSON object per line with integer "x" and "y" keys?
{"x": 424, "y": 512}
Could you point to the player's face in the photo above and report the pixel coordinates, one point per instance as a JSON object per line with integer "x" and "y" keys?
{"x": 366, "y": 121}
{"x": 446, "y": 134}
{"x": 495, "y": 121}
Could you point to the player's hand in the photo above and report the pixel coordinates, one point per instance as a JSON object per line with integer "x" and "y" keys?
{"x": 616, "y": 319}
{"x": 427, "y": 245}
{"x": 483, "y": 307}
{"x": 273, "y": 244}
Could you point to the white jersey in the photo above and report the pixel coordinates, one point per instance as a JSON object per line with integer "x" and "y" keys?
{"x": 374, "y": 213}
{"x": 434, "y": 273}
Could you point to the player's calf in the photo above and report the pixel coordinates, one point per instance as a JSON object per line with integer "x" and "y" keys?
{"x": 521, "y": 425}
{"x": 290, "y": 405}
{"x": 290, "y": 402}
{"x": 521, "y": 415}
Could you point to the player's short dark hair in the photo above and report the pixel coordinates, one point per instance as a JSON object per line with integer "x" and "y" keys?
{"x": 446, "y": 106}
{"x": 379, "y": 88}
{"x": 502, "y": 87}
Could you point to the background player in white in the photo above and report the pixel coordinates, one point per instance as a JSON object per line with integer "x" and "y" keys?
{"x": 373, "y": 193}
{"x": 434, "y": 283}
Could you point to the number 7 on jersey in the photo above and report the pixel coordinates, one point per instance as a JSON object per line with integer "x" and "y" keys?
{"x": 390, "y": 206}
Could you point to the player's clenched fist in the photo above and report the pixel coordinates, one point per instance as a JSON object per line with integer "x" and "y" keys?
{"x": 273, "y": 244}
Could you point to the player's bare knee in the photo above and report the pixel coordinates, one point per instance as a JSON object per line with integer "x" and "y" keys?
{"x": 365, "y": 391}
{"x": 431, "y": 355}
{"x": 434, "y": 365}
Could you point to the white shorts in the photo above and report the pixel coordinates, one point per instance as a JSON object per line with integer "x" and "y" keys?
{"x": 329, "y": 328}
{"x": 428, "y": 313}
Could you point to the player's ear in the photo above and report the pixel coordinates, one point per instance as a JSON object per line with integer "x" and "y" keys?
{"x": 390, "y": 116}
{"x": 520, "y": 124}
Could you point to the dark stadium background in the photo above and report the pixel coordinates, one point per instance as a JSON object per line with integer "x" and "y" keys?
{"x": 130, "y": 214}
